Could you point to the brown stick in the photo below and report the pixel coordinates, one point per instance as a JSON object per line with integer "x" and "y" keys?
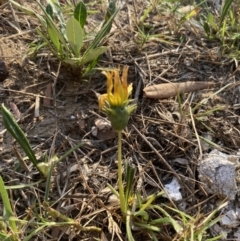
{"x": 162, "y": 91}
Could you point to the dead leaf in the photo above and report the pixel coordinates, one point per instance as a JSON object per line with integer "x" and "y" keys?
{"x": 37, "y": 104}
{"x": 82, "y": 124}
{"x": 48, "y": 93}
{"x": 103, "y": 130}
{"x": 189, "y": 11}
{"x": 15, "y": 110}
{"x": 162, "y": 91}
{"x": 102, "y": 124}
{"x": 105, "y": 135}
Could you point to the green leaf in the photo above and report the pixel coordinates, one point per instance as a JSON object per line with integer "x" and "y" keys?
{"x": 74, "y": 35}
{"x": 14, "y": 129}
{"x": 225, "y": 10}
{"x": 223, "y": 30}
{"x": 80, "y": 13}
{"x": 110, "y": 11}
{"x": 89, "y": 68}
{"x": 129, "y": 178}
{"x": 50, "y": 45}
{"x": 53, "y": 37}
{"x": 57, "y": 11}
{"x": 45, "y": 167}
{"x": 175, "y": 224}
{"x": 53, "y": 26}
{"x": 7, "y": 209}
{"x": 93, "y": 54}
{"x": 206, "y": 28}
{"x": 143, "y": 214}
{"x": 211, "y": 21}
{"x": 72, "y": 61}
{"x": 49, "y": 10}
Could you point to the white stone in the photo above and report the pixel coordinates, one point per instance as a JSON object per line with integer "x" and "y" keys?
{"x": 218, "y": 174}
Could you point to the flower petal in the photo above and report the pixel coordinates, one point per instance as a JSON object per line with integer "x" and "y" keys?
{"x": 102, "y": 100}
{"x": 129, "y": 89}
{"x": 109, "y": 76}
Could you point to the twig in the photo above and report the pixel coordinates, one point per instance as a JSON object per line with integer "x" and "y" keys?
{"x": 197, "y": 136}
{"x": 17, "y": 26}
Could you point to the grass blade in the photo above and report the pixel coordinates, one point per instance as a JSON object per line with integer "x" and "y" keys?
{"x": 129, "y": 178}
{"x": 14, "y": 129}
{"x": 8, "y": 213}
{"x": 225, "y": 10}
{"x": 100, "y": 35}
{"x": 53, "y": 38}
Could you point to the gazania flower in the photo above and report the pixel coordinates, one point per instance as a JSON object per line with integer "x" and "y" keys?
{"x": 115, "y": 103}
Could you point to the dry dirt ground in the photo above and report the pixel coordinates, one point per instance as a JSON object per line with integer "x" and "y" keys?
{"x": 159, "y": 130}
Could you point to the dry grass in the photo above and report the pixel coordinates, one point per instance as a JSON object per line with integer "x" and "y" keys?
{"x": 158, "y": 132}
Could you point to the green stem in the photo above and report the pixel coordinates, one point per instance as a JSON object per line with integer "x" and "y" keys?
{"x": 120, "y": 181}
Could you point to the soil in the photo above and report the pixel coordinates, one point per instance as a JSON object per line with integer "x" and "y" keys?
{"x": 57, "y": 108}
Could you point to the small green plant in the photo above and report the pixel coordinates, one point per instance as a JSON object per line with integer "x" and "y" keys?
{"x": 134, "y": 208}
{"x": 68, "y": 40}
{"x": 117, "y": 106}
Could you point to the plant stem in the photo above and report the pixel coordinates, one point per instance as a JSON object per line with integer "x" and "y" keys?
{"x": 120, "y": 181}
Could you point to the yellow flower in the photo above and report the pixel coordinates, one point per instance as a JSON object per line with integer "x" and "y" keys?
{"x": 115, "y": 103}
{"x": 118, "y": 90}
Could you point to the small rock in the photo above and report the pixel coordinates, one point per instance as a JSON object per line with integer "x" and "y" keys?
{"x": 3, "y": 70}
{"x": 237, "y": 234}
{"x": 230, "y": 219}
{"x": 94, "y": 131}
{"x": 219, "y": 175}
{"x": 172, "y": 190}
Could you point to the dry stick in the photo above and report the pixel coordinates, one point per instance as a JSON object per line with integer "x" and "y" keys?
{"x": 11, "y": 24}
{"x": 162, "y": 91}
{"x": 158, "y": 54}
{"x": 37, "y": 106}
{"x": 161, "y": 158}
{"x": 149, "y": 68}
{"x": 3, "y": 5}
{"x": 180, "y": 137}
{"x": 51, "y": 152}
{"x": 26, "y": 93}
{"x": 15, "y": 19}
{"x": 17, "y": 34}
{"x": 20, "y": 159}
{"x": 197, "y": 136}
{"x": 138, "y": 89}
